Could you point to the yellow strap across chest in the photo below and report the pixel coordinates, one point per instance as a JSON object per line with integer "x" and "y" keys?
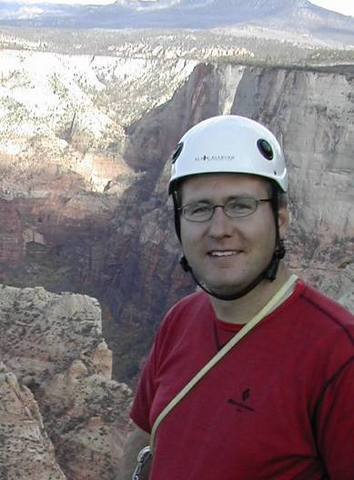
{"x": 282, "y": 294}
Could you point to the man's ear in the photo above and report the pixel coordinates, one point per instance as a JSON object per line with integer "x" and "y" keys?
{"x": 283, "y": 221}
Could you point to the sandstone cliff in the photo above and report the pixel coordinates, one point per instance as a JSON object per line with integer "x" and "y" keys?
{"x": 62, "y": 415}
{"x": 26, "y": 451}
{"x": 85, "y": 143}
{"x": 85, "y": 198}
{"x": 312, "y": 114}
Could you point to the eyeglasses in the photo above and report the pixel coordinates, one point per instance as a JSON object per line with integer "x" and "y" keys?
{"x": 235, "y": 207}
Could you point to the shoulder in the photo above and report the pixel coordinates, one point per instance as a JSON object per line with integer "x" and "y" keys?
{"x": 331, "y": 314}
{"x": 190, "y": 311}
{"x": 188, "y": 318}
{"x": 321, "y": 334}
{"x": 193, "y": 303}
{"x": 322, "y": 328}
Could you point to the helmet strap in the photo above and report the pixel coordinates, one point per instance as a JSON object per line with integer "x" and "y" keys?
{"x": 176, "y": 214}
{"x": 269, "y": 273}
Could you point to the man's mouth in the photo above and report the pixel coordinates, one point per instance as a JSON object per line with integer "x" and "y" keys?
{"x": 223, "y": 253}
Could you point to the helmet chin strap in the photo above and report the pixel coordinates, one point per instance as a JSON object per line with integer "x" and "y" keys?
{"x": 269, "y": 273}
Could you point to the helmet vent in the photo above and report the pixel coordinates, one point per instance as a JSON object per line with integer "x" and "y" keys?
{"x": 265, "y": 148}
{"x": 177, "y": 152}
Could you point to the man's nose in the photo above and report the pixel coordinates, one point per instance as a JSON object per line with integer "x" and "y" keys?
{"x": 220, "y": 223}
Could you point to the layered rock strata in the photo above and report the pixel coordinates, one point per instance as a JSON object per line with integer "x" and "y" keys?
{"x": 314, "y": 128}
{"x": 25, "y": 450}
{"x": 94, "y": 217}
{"x": 62, "y": 415}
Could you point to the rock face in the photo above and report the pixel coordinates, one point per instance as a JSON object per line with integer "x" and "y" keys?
{"x": 314, "y": 128}
{"x": 109, "y": 233}
{"x": 26, "y": 451}
{"x": 85, "y": 145}
{"x": 62, "y": 415}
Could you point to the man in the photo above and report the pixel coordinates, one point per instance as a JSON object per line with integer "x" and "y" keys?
{"x": 280, "y": 404}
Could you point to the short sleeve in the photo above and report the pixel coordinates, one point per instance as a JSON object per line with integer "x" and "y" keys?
{"x": 147, "y": 385}
{"x": 336, "y": 423}
{"x": 146, "y": 389}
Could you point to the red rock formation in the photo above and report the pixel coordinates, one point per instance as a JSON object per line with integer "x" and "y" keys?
{"x": 53, "y": 344}
{"x": 117, "y": 242}
{"x": 26, "y": 451}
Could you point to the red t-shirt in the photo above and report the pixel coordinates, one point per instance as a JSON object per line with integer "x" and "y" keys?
{"x": 279, "y": 406}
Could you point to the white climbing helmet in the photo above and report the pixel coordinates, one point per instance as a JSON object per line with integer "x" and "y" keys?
{"x": 229, "y": 144}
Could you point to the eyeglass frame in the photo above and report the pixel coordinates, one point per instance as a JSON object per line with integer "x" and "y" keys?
{"x": 257, "y": 202}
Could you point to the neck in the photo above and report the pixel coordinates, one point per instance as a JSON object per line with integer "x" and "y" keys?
{"x": 245, "y": 308}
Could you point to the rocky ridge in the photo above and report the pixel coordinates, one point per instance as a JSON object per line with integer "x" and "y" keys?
{"x": 84, "y": 163}
{"x": 297, "y": 16}
{"x": 62, "y": 415}
{"x": 26, "y": 451}
{"x": 94, "y": 220}
{"x": 61, "y": 112}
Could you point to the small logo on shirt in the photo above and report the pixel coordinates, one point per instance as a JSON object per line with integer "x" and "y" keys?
{"x": 242, "y": 405}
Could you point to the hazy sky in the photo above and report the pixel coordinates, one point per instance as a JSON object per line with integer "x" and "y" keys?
{"x": 342, "y": 6}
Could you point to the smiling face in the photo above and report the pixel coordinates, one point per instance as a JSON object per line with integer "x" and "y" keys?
{"x": 227, "y": 254}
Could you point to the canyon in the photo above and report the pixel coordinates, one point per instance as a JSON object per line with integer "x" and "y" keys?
{"x": 85, "y": 148}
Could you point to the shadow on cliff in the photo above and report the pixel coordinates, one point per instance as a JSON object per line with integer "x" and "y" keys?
{"x": 142, "y": 276}
{"x": 127, "y": 257}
